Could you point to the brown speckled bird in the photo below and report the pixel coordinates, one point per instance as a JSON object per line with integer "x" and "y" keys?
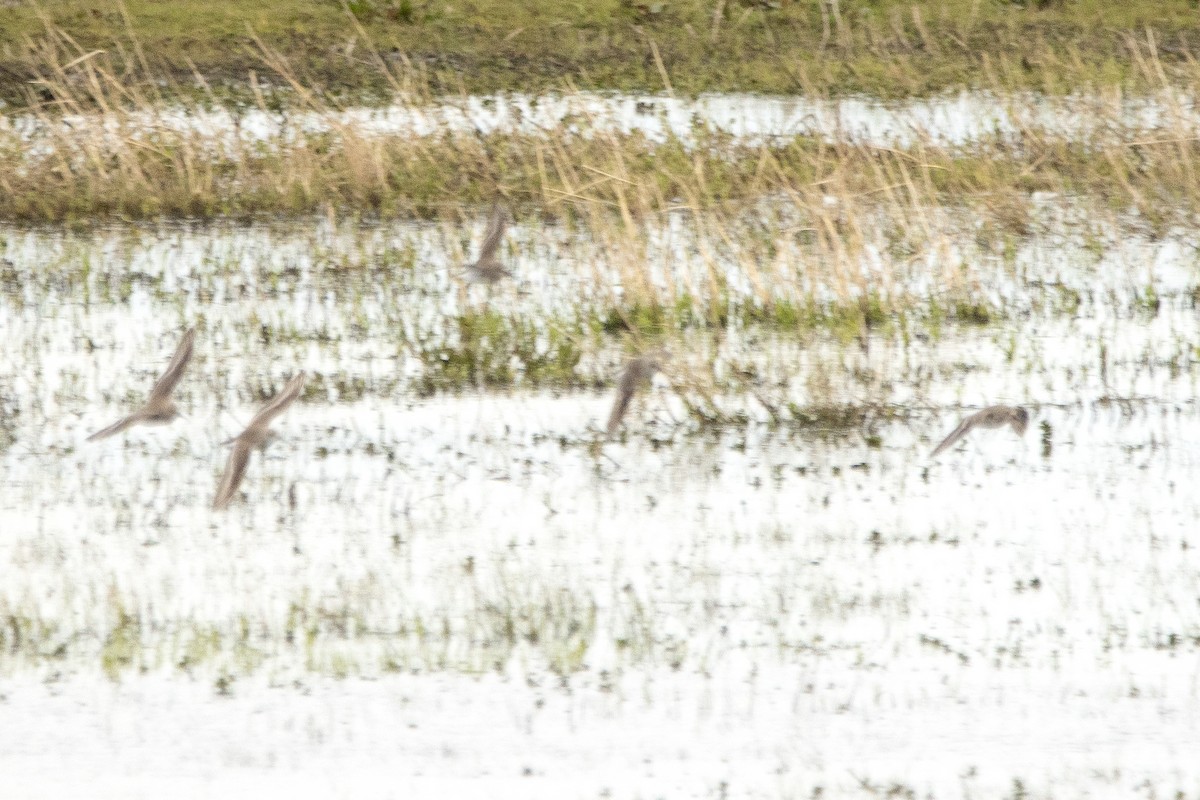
{"x": 487, "y": 268}
{"x": 256, "y": 435}
{"x": 637, "y": 372}
{"x": 990, "y": 417}
{"x": 160, "y": 407}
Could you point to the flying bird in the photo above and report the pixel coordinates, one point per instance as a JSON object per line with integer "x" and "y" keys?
{"x": 488, "y": 269}
{"x": 637, "y": 372}
{"x": 990, "y": 417}
{"x": 159, "y": 408}
{"x": 256, "y": 435}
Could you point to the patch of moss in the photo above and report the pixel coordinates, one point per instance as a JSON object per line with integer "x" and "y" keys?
{"x": 644, "y": 319}
{"x": 121, "y": 645}
{"x": 974, "y": 313}
{"x": 491, "y": 350}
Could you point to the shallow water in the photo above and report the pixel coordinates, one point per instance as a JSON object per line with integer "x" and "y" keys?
{"x": 469, "y": 590}
{"x": 951, "y": 119}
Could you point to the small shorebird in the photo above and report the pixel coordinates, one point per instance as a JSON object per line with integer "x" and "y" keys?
{"x": 990, "y": 417}
{"x": 488, "y": 269}
{"x": 637, "y": 372}
{"x": 159, "y": 408}
{"x": 256, "y": 435}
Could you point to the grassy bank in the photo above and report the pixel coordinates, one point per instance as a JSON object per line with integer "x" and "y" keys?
{"x": 132, "y": 167}
{"x": 881, "y": 47}
{"x": 124, "y": 151}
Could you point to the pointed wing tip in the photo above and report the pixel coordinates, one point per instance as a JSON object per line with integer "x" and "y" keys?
{"x": 620, "y": 406}
{"x": 222, "y": 502}
{"x": 296, "y": 383}
{"x": 170, "y": 378}
{"x": 231, "y": 478}
{"x": 187, "y": 340}
{"x": 115, "y": 428}
{"x": 964, "y": 427}
{"x": 614, "y": 419}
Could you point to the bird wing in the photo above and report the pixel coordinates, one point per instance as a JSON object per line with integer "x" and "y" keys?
{"x": 235, "y": 470}
{"x": 495, "y": 231}
{"x": 627, "y": 384}
{"x": 117, "y": 427}
{"x": 175, "y": 369}
{"x": 620, "y": 405}
{"x": 962, "y": 430}
{"x": 279, "y": 403}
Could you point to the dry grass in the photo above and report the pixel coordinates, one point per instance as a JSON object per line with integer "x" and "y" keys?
{"x": 104, "y": 146}
{"x": 101, "y": 144}
{"x": 134, "y": 159}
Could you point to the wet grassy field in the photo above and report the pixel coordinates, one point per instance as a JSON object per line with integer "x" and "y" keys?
{"x": 444, "y": 577}
{"x": 444, "y": 530}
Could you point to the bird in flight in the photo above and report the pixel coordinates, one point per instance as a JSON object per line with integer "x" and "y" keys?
{"x": 990, "y": 417}
{"x": 256, "y": 435}
{"x": 637, "y": 372}
{"x": 487, "y": 268}
{"x": 159, "y": 408}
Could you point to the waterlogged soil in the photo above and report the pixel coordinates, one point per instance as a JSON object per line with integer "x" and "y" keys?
{"x": 458, "y": 580}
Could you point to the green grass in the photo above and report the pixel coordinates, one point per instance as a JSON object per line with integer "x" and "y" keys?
{"x": 883, "y": 47}
{"x": 493, "y": 351}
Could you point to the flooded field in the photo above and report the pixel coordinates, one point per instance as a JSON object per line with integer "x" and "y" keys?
{"x": 443, "y": 576}
{"x": 950, "y": 119}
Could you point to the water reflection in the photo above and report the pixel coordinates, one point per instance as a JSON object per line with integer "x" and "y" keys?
{"x": 951, "y": 119}
{"x": 770, "y": 580}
